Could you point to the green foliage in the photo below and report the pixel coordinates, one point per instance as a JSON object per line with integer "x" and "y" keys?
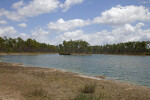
{"x": 19, "y": 45}
{"x": 89, "y": 88}
{"x": 78, "y": 46}
{"x": 123, "y": 48}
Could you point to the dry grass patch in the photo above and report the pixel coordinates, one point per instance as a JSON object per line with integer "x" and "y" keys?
{"x": 86, "y": 97}
{"x": 39, "y": 74}
{"x": 37, "y": 93}
{"x": 35, "y": 83}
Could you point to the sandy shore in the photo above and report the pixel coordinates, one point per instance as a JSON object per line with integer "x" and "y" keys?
{"x": 27, "y": 53}
{"x": 19, "y": 82}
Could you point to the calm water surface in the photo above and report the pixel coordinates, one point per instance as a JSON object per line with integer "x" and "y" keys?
{"x": 133, "y": 69}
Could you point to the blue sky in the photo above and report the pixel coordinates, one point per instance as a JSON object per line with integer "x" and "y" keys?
{"x": 96, "y": 21}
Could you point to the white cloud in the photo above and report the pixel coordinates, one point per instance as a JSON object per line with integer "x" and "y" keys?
{"x": 123, "y": 34}
{"x": 3, "y": 22}
{"x": 33, "y": 8}
{"x": 40, "y": 35}
{"x": 8, "y": 31}
{"x": 61, "y": 25}
{"x": 122, "y": 15}
{"x": 17, "y": 5}
{"x": 74, "y": 35}
{"x": 139, "y": 25}
{"x": 37, "y": 7}
{"x": 22, "y": 25}
{"x": 68, "y": 3}
{"x": 11, "y": 15}
{"x": 24, "y": 36}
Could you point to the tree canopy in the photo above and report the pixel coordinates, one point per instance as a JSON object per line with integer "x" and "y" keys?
{"x": 19, "y": 45}
{"x": 80, "y": 46}
{"x": 124, "y": 48}
{"x": 77, "y": 46}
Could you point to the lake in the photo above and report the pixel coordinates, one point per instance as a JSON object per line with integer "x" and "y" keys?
{"x": 132, "y": 69}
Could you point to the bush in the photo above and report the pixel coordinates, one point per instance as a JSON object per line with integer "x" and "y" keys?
{"x": 89, "y": 88}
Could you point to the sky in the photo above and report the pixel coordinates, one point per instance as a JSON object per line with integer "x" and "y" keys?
{"x": 98, "y": 22}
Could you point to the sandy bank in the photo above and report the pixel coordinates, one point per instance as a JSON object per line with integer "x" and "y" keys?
{"x": 84, "y": 54}
{"x": 35, "y": 53}
{"x": 19, "y": 82}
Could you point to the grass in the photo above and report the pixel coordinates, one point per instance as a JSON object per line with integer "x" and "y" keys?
{"x": 86, "y": 97}
{"x": 87, "y": 93}
{"x": 33, "y": 83}
{"x": 89, "y": 88}
{"x": 39, "y": 74}
{"x": 38, "y": 92}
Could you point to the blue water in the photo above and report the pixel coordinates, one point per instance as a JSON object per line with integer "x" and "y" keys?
{"x": 133, "y": 69}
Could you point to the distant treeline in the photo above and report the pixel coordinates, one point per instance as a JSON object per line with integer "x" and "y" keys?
{"x": 19, "y": 45}
{"x": 77, "y": 46}
{"x": 80, "y": 46}
{"x": 124, "y": 48}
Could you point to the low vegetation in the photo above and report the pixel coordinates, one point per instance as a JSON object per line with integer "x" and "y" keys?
{"x": 33, "y": 83}
{"x": 87, "y": 93}
{"x": 86, "y": 97}
{"x": 37, "y": 92}
{"x": 89, "y": 88}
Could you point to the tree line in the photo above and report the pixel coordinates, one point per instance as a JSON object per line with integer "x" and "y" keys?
{"x": 19, "y": 45}
{"x": 80, "y": 46}
{"x": 77, "y": 46}
{"x": 124, "y": 48}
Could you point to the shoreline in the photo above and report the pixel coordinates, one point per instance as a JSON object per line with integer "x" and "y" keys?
{"x": 23, "y": 80}
{"x": 25, "y": 53}
{"x": 121, "y": 54}
{"x": 84, "y": 54}
{"x": 94, "y": 77}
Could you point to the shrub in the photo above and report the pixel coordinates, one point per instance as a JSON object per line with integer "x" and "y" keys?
{"x": 89, "y": 88}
